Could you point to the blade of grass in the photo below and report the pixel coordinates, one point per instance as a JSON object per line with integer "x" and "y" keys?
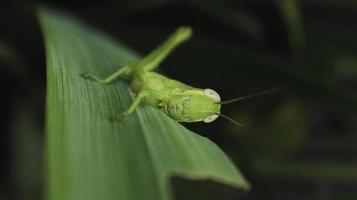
{"x": 88, "y": 156}
{"x": 292, "y": 16}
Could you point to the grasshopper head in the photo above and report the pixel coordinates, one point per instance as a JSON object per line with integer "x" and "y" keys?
{"x": 216, "y": 98}
{"x": 204, "y": 105}
{"x": 194, "y": 105}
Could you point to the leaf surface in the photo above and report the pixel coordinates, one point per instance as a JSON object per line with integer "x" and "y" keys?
{"x": 90, "y": 157}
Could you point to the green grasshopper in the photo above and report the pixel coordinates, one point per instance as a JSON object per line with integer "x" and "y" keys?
{"x": 181, "y": 102}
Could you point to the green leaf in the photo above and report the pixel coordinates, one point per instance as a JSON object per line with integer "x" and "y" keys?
{"x": 90, "y": 157}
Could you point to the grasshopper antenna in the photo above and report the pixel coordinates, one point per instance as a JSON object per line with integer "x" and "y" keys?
{"x": 234, "y": 122}
{"x": 250, "y": 96}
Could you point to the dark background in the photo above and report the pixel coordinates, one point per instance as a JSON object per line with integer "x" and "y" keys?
{"x": 303, "y": 139}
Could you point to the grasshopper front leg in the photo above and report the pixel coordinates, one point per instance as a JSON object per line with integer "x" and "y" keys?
{"x": 119, "y": 117}
{"x": 124, "y": 71}
{"x": 149, "y": 62}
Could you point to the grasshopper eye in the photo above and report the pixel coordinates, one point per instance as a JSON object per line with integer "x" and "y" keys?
{"x": 213, "y": 94}
{"x": 210, "y": 118}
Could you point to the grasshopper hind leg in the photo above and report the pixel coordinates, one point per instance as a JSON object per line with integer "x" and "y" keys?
{"x": 155, "y": 57}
